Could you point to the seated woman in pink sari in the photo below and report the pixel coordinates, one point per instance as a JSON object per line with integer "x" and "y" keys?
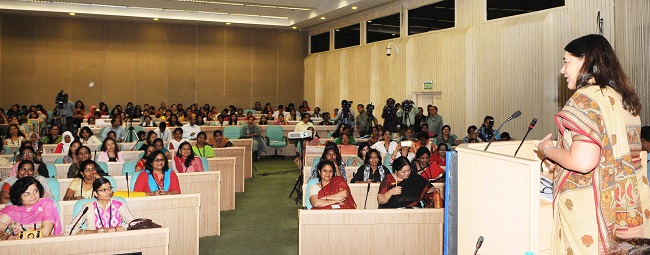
{"x": 30, "y": 215}
{"x": 331, "y": 191}
{"x": 185, "y": 161}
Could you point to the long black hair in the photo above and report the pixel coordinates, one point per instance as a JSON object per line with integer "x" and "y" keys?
{"x": 190, "y": 158}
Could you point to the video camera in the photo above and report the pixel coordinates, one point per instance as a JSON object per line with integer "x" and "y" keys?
{"x": 346, "y": 105}
{"x": 130, "y": 111}
{"x": 61, "y": 98}
{"x": 407, "y": 105}
{"x": 370, "y": 107}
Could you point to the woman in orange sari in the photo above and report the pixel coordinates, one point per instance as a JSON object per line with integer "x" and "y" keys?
{"x": 600, "y": 189}
{"x": 331, "y": 191}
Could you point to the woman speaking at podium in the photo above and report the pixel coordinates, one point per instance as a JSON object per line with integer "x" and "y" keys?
{"x": 600, "y": 189}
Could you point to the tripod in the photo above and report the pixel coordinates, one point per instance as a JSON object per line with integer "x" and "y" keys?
{"x": 131, "y": 130}
{"x": 298, "y": 186}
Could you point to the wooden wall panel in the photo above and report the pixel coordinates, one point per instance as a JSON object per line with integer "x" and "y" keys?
{"x": 181, "y": 63}
{"x": 264, "y": 65}
{"x": 211, "y": 66}
{"x": 238, "y": 70}
{"x": 290, "y": 82}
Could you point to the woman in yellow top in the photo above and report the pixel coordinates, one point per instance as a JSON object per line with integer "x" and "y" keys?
{"x": 82, "y": 186}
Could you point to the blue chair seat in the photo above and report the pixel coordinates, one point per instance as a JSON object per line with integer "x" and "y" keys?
{"x": 129, "y": 167}
{"x": 80, "y": 203}
{"x": 51, "y": 170}
{"x": 55, "y": 188}
{"x": 310, "y": 183}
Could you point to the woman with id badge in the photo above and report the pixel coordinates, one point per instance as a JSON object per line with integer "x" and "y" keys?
{"x": 157, "y": 179}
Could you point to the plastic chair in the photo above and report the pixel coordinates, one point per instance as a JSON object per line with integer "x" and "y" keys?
{"x": 51, "y": 170}
{"x": 387, "y": 162}
{"x": 350, "y": 162}
{"x": 232, "y": 132}
{"x": 275, "y": 138}
{"x": 311, "y": 182}
{"x": 129, "y": 167}
{"x": 133, "y": 178}
{"x": 55, "y": 188}
{"x": 101, "y": 131}
{"x": 316, "y": 161}
{"x": 58, "y": 161}
{"x": 112, "y": 180}
{"x": 103, "y": 165}
{"x": 6, "y": 150}
{"x": 204, "y": 161}
{"x": 80, "y": 203}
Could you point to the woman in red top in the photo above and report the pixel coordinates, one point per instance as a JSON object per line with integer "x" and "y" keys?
{"x": 157, "y": 179}
{"x": 185, "y": 161}
{"x": 439, "y": 156}
{"x": 142, "y": 162}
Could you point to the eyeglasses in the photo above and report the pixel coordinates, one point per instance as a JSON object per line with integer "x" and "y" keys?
{"x": 105, "y": 190}
{"x": 28, "y": 154}
{"x": 159, "y": 160}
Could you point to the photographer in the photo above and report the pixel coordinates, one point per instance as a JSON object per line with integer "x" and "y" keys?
{"x": 365, "y": 120}
{"x": 389, "y": 113}
{"x": 345, "y": 116}
{"x": 63, "y": 111}
{"x": 407, "y": 114}
{"x": 486, "y": 132}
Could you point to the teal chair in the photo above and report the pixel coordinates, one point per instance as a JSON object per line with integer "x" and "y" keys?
{"x": 310, "y": 183}
{"x": 134, "y": 137}
{"x": 137, "y": 145}
{"x": 112, "y": 181}
{"x": 249, "y": 110}
{"x": 101, "y": 131}
{"x": 6, "y": 150}
{"x": 103, "y": 165}
{"x": 58, "y": 161}
{"x": 129, "y": 167}
{"x": 275, "y": 138}
{"x": 80, "y": 203}
{"x": 55, "y": 188}
{"x": 133, "y": 178}
{"x": 387, "y": 162}
{"x": 232, "y": 132}
{"x": 316, "y": 161}
{"x": 204, "y": 161}
{"x": 51, "y": 170}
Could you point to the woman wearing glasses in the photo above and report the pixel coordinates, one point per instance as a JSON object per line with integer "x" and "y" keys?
{"x": 105, "y": 214}
{"x": 157, "y": 179}
{"x": 82, "y": 186}
{"x": 402, "y": 189}
{"x": 25, "y": 169}
{"x": 30, "y": 215}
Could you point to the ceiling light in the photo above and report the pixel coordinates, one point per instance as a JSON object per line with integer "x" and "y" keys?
{"x": 228, "y": 23}
{"x": 72, "y": 14}
{"x": 155, "y": 19}
{"x": 354, "y": 7}
{"x": 369, "y": 21}
{"x": 338, "y": 30}
{"x": 294, "y": 27}
{"x": 246, "y": 4}
{"x": 322, "y": 17}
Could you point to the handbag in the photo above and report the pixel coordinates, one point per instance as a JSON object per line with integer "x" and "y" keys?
{"x": 142, "y": 223}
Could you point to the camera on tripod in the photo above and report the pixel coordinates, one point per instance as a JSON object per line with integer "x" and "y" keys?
{"x": 370, "y": 107}
{"x": 130, "y": 112}
{"x": 346, "y": 105}
{"x": 407, "y": 105}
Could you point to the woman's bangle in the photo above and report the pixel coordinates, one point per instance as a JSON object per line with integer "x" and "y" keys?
{"x": 546, "y": 147}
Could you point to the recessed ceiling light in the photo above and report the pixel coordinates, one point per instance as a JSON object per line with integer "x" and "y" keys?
{"x": 228, "y": 23}
{"x": 294, "y": 27}
{"x": 369, "y": 21}
{"x": 322, "y": 17}
{"x": 72, "y": 14}
{"x": 155, "y": 19}
{"x": 354, "y": 7}
{"x": 393, "y": 34}
{"x": 338, "y": 30}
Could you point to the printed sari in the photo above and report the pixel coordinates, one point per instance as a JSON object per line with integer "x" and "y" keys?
{"x": 611, "y": 199}
{"x": 336, "y": 185}
{"x": 413, "y": 190}
{"x": 30, "y": 218}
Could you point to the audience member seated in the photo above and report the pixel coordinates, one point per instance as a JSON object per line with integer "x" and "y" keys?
{"x": 87, "y": 136}
{"x": 221, "y": 121}
{"x": 402, "y": 151}
{"x": 402, "y": 189}
{"x": 64, "y": 145}
{"x": 185, "y": 161}
{"x": 71, "y": 156}
{"x": 314, "y": 140}
{"x": 177, "y": 139}
{"x": 82, "y": 185}
{"x": 281, "y": 120}
{"x": 359, "y": 160}
{"x": 148, "y": 122}
{"x": 304, "y": 123}
{"x": 27, "y": 153}
{"x": 445, "y": 136}
{"x": 423, "y": 142}
{"x": 157, "y": 179}
{"x": 386, "y": 145}
{"x": 25, "y": 168}
{"x": 14, "y": 136}
{"x": 305, "y": 104}
{"x": 110, "y": 152}
{"x": 83, "y": 154}
{"x": 35, "y": 141}
{"x": 317, "y": 113}
{"x": 202, "y": 149}
{"x": 190, "y": 130}
{"x": 425, "y": 128}
{"x": 280, "y": 110}
{"x": 472, "y": 136}
{"x": 53, "y": 137}
{"x": 331, "y": 153}
{"x": 263, "y": 121}
{"x": 423, "y": 166}
{"x": 30, "y": 215}
{"x": 343, "y": 128}
{"x": 375, "y": 135}
{"x": 372, "y": 170}
{"x": 232, "y": 121}
{"x": 258, "y": 106}
{"x": 116, "y": 126}
{"x": 173, "y": 121}
{"x": 149, "y": 139}
{"x": 218, "y": 141}
{"x": 505, "y": 136}
{"x": 439, "y": 156}
{"x": 252, "y": 131}
{"x": 107, "y": 214}
{"x": 158, "y": 144}
{"x": 267, "y": 109}
{"x": 331, "y": 191}
{"x": 485, "y": 132}
{"x": 163, "y": 132}
{"x": 293, "y": 115}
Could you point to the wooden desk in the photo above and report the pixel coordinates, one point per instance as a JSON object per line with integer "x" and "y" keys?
{"x": 381, "y": 231}
{"x": 238, "y": 154}
{"x": 179, "y": 213}
{"x": 225, "y": 166}
{"x": 248, "y": 155}
{"x": 359, "y": 191}
{"x": 148, "y": 241}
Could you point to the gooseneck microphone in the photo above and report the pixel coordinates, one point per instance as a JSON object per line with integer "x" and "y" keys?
{"x": 530, "y": 127}
{"x": 81, "y": 217}
{"x": 512, "y": 117}
{"x": 367, "y": 192}
{"x": 128, "y": 191}
{"x": 478, "y": 244}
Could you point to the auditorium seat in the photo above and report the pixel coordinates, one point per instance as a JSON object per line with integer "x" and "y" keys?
{"x": 129, "y": 167}
{"x": 55, "y": 188}
{"x": 51, "y": 170}
{"x": 275, "y": 138}
{"x": 232, "y": 132}
{"x": 58, "y": 161}
{"x": 311, "y": 182}
{"x": 80, "y": 203}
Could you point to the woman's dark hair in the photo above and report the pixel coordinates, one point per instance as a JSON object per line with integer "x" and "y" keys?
{"x": 86, "y": 129}
{"x": 99, "y": 182}
{"x": 70, "y": 151}
{"x": 82, "y": 105}
{"x": 117, "y": 146}
{"x": 202, "y": 134}
{"x": 149, "y": 164}
{"x": 109, "y": 134}
{"x": 362, "y": 145}
{"x": 149, "y": 134}
{"x": 162, "y": 126}
{"x": 18, "y": 134}
{"x": 82, "y": 147}
{"x": 470, "y": 128}
{"x": 146, "y": 147}
{"x": 443, "y": 144}
{"x": 50, "y": 139}
{"x": 82, "y": 167}
{"x": 190, "y": 158}
{"x": 400, "y": 162}
{"x": 335, "y": 150}
{"x": 371, "y": 151}
{"x": 421, "y": 151}
{"x": 21, "y": 186}
{"x": 445, "y": 126}
{"x": 25, "y": 162}
{"x": 320, "y": 166}
{"x": 23, "y": 148}
{"x": 602, "y": 65}
{"x": 233, "y": 119}
{"x": 217, "y": 132}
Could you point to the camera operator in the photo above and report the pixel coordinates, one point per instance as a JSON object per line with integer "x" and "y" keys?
{"x": 389, "y": 113}
{"x": 63, "y": 111}
{"x": 365, "y": 120}
{"x": 407, "y": 114}
{"x": 345, "y": 116}
{"x": 486, "y": 131}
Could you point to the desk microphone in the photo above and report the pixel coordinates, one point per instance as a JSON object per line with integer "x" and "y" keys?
{"x": 81, "y": 217}
{"x": 478, "y": 244}
{"x": 530, "y": 127}
{"x": 512, "y": 117}
{"x": 127, "y": 185}
{"x": 367, "y": 192}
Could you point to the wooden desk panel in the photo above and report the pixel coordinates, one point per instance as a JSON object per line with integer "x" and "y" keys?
{"x": 238, "y": 153}
{"x": 381, "y": 231}
{"x": 225, "y": 166}
{"x": 248, "y": 155}
{"x": 148, "y": 241}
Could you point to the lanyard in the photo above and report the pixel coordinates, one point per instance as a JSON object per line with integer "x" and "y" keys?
{"x": 110, "y": 215}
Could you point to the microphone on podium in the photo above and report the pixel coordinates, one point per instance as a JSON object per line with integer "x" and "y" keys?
{"x": 367, "y": 192}
{"x": 478, "y": 244}
{"x": 530, "y": 127}
{"x": 512, "y": 117}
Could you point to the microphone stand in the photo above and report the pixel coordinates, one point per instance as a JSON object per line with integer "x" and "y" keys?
{"x": 514, "y": 116}
{"x": 367, "y": 192}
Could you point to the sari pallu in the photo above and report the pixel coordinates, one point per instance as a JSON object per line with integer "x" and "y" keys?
{"x": 614, "y": 196}
{"x": 413, "y": 190}
{"x": 28, "y": 218}
{"x": 336, "y": 185}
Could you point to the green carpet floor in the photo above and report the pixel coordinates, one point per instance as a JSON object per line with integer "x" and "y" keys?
{"x": 266, "y": 219}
